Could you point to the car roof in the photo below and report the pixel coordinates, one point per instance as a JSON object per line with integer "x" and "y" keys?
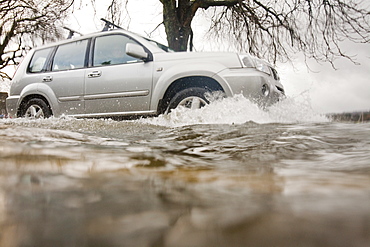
{"x": 154, "y": 48}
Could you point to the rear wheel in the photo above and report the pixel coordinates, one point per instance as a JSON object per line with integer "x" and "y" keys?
{"x": 192, "y": 98}
{"x": 36, "y": 108}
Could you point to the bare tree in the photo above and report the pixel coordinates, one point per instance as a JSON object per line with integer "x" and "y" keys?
{"x": 278, "y": 29}
{"x": 273, "y": 29}
{"x": 23, "y": 22}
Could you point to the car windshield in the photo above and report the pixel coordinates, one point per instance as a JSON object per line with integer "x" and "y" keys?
{"x": 159, "y": 45}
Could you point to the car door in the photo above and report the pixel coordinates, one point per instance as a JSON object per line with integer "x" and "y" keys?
{"x": 67, "y": 76}
{"x": 116, "y": 83}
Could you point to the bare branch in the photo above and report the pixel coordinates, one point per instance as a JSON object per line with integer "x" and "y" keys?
{"x": 24, "y": 22}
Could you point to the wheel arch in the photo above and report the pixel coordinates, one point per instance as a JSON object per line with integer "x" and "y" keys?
{"x": 28, "y": 98}
{"x": 187, "y": 82}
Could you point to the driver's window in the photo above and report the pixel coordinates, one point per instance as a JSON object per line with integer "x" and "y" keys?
{"x": 111, "y": 49}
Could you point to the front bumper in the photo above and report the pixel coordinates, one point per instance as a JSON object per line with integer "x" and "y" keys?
{"x": 257, "y": 86}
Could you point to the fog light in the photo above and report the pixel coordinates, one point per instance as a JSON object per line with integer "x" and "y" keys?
{"x": 265, "y": 90}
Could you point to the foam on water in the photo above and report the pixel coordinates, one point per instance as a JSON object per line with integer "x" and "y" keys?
{"x": 238, "y": 110}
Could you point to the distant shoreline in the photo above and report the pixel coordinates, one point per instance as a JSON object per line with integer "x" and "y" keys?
{"x": 358, "y": 117}
{"x": 3, "y": 97}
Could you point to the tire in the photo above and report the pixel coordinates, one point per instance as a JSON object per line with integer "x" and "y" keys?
{"x": 192, "y": 98}
{"x": 35, "y": 109}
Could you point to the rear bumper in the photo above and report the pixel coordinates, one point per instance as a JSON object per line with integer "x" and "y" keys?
{"x": 12, "y": 106}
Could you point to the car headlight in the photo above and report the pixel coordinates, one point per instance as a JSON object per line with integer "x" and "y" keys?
{"x": 263, "y": 67}
{"x": 249, "y": 61}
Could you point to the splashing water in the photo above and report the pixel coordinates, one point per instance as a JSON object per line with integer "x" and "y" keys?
{"x": 239, "y": 110}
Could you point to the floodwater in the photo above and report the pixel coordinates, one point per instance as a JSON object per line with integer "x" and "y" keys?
{"x": 229, "y": 174}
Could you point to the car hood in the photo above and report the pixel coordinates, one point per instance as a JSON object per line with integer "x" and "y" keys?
{"x": 228, "y": 59}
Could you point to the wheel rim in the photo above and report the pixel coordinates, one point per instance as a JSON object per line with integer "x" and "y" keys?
{"x": 34, "y": 111}
{"x": 193, "y": 102}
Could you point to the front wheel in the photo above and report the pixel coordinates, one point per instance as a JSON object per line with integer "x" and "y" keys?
{"x": 192, "y": 98}
{"x": 36, "y": 108}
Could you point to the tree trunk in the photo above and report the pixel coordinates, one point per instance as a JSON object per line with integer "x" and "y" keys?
{"x": 177, "y": 21}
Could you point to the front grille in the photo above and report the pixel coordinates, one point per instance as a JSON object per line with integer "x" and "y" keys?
{"x": 280, "y": 89}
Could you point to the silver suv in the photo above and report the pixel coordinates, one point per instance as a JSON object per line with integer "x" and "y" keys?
{"x": 118, "y": 73}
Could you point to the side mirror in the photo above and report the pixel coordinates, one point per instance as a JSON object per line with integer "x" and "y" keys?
{"x": 136, "y": 51}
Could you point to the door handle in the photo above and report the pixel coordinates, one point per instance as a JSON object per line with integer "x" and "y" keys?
{"x": 47, "y": 78}
{"x": 94, "y": 74}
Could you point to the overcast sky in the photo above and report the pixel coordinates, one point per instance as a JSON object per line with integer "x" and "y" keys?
{"x": 341, "y": 90}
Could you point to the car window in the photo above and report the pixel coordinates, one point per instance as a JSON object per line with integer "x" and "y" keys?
{"x": 111, "y": 49}
{"x": 70, "y": 56}
{"x": 38, "y": 60}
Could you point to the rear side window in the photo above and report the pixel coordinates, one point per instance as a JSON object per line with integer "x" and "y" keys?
{"x": 111, "y": 49}
{"x": 70, "y": 56}
{"x": 38, "y": 60}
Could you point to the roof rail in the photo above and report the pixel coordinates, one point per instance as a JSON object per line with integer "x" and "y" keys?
{"x": 109, "y": 25}
{"x": 71, "y": 32}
